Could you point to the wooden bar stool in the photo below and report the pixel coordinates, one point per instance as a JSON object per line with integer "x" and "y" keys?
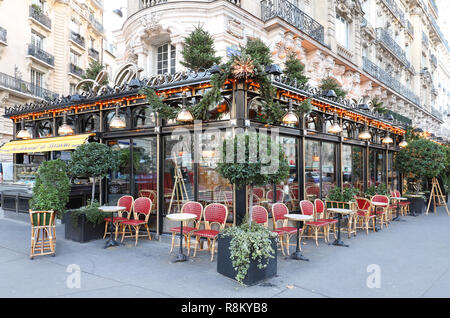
{"x": 43, "y": 233}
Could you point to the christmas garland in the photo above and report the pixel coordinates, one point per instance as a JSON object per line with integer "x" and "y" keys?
{"x": 157, "y": 105}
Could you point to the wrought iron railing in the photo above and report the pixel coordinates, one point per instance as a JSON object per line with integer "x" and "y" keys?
{"x": 410, "y": 28}
{"x": 96, "y": 23}
{"x": 37, "y": 14}
{"x": 425, "y": 40}
{"x": 436, "y": 113}
{"x": 433, "y": 59}
{"x": 94, "y": 53}
{"x": 77, "y": 38}
{"x": 150, "y": 3}
{"x": 76, "y": 70}
{"x": 389, "y": 81}
{"x": 288, "y": 12}
{"x": 396, "y": 11}
{"x": 385, "y": 38}
{"x": 3, "y": 35}
{"x": 40, "y": 54}
{"x": 24, "y": 87}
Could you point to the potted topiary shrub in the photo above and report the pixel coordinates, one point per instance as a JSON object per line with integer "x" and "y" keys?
{"x": 343, "y": 199}
{"x": 420, "y": 160}
{"x": 247, "y": 252}
{"x": 52, "y": 187}
{"x": 92, "y": 160}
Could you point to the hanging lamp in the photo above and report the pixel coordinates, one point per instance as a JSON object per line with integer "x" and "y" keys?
{"x": 365, "y": 134}
{"x": 290, "y": 118}
{"x": 184, "y": 115}
{"x": 23, "y": 133}
{"x": 335, "y": 128}
{"x": 117, "y": 122}
{"x": 65, "y": 129}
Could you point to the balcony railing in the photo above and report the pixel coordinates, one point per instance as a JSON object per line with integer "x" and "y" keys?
{"x": 40, "y": 54}
{"x": 288, "y": 12}
{"x": 96, "y": 23}
{"x": 77, "y": 38}
{"x": 24, "y": 87}
{"x": 150, "y": 3}
{"x": 396, "y": 11}
{"x": 94, "y": 54}
{"x": 433, "y": 59}
{"x": 400, "y": 118}
{"x": 37, "y": 14}
{"x": 425, "y": 40}
{"x": 436, "y": 113}
{"x": 410, "y": 28}
{"x": 3, "y": 35}
{"x": 76, "y": 70}
{"x": 389, "y": 81}
{"x": 389, "y": 43}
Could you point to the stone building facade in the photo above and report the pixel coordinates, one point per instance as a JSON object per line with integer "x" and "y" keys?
{"x": 45, "y": 47}
{"x": 390, "y": 49}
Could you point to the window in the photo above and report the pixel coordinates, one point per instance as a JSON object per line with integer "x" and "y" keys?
{"x": 166, "y": 59}
{"x": 74, "y": 58}
{"x": 37, "y": 40}
{"x": 37, "y": 78}
{"x": 342, "y": 31}
{"x": 92, "y": 43}
{"x": 75, "y": 26}
{"x": 72, "y": 89}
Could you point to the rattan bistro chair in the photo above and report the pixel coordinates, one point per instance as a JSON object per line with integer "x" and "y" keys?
{"x": 365, "y": 215}
{"x": 141, "y": 212}
{"x": 279, "y": 210}
{"x": 43, "y": 233}
{"x": 307, "y": 208}
{"x": 261, "y": 216}
{"x": 127, "y": 202}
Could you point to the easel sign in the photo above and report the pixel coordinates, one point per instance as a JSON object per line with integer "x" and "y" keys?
{"x": 436, "y": 195}
{"x": 180, "y": 195}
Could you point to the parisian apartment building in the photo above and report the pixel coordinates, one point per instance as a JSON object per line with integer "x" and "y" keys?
{"x": 45, "y": 48}
{"x": 393, "y": 50}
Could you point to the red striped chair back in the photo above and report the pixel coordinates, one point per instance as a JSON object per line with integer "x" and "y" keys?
{"x": 307, "y": 207}
{"x": 142, "y": 207}
{"x": 363, "y": 204}
{"x": 259, "y": 192}
{"x": 280, "y": 195}
{"x": 193, "y": 208}
{"x": 127, "y": 202}
{"x": 279, "y": 210}
{"x": 380, "y": 198}
{"x": 260, "y": 215}
{"x": 215, "y": 213}
{"x": 319, "y": 208}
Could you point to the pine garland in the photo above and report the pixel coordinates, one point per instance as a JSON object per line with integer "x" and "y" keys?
{"x": 157, "y": 105}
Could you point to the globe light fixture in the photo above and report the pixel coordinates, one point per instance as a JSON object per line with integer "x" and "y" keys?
{"x": 23, "y": 133}
{"x": 365, "y": 135}
{"x": 65, "y": 129}
{"x": 387, "y": 139}
{"x": 117, "y": 122}
{"x": 403, "y": 143}
{"x": 335, "y": 128}
{"x": 184, "y": 115}
{"x": 290, "y": 118}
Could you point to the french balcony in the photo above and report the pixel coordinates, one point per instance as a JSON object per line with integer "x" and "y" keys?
{"x": 395, "y": 10}
{"x": 37, "y": 14}
{"x": 385, "y": 39}
{"x": 97, "y": 25}
{"x": 288, "y": 12}
{"x": 76, "y": 70}
{"x": 143, "y": 4}
{"x": 40, "y": 54}
{"x": 23, "y": 87}
{"x": 389, "y": 81}
{"x": 94, "y": 54}
{"x": 77, "y": 38}
{"x": 3, "y": 36}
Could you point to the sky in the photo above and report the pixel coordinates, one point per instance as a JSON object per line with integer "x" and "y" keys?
{"x": 111, "y": 21}
{"x": 443, "y": 21}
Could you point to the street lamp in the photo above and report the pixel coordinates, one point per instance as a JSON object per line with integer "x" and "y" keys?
{"x": 119, "y": 11}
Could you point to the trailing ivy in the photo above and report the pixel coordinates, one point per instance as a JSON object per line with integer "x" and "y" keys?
{"x": 249, "y": 242}
{"x": 91, "y": 212}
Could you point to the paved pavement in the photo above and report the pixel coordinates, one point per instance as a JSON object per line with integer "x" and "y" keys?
{"x": 412, "y": 259}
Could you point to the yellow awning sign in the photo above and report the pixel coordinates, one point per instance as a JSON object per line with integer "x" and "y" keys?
{"x": 44, "y": 144}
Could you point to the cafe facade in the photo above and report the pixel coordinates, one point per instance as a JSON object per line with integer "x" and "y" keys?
{"x": 153, "y": 162}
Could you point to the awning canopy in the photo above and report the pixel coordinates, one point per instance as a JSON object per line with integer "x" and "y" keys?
{"x": 44, "y": 144}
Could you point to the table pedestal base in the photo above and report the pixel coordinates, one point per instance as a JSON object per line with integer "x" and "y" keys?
{"x": 298, "y": 256}
{"x": 111, "y": 243}
{"x": 339, "y": 243}
{"x": 180, "y": 258}
{"x": 398, "y": 219}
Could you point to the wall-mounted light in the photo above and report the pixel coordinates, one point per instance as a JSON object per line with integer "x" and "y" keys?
{"x": 365, "y": 134}
{"x": 117, "y": 122}
{"x": 184, "y": 115}
{"x": 65, "y": 129}
{"x": 290, "y": 118}
{"x": 23, "y": 133}
{"x": 335, "y": 128}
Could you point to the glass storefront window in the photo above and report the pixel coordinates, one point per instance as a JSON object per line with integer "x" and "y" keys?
{"x": 143, "y": 117}
{"x": 119, "y": 183}
{"x": 353, "y": 167}
{"x": 328, "y": 167}
{"x": 376, "y": 167}
{"x": 392, "y": 173}
{"x": 320, "y": 168}
{"x": 291, "y": 192}
{"x": 45, "y": 128}
{"x": 90, "y": 123}
{"x": 144, "y": 164}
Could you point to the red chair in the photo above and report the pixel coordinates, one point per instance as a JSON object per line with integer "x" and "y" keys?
{"x": 381, "y": 212}
{"x": 193, "y": 208}
{"x": 365, "y": 214}
{"x": 141, "y": 208}
{"x": 322, "y": 216}
{"x": 151, "y": 195}
{"x": 261, "y": 216}
{"x": 279, "y": 210}
{"x": 259, "y": 192}
{"x": 404, "y": 205}
{"x": 127, "y": 202}
{"x": 215, "y": 213}
{"x": 313, "y": 191}
{"x": 280, "y": 195}
{"x": 307, "y": 208}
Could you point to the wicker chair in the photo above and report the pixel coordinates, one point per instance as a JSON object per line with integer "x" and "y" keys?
{"x": 43, "y": 233}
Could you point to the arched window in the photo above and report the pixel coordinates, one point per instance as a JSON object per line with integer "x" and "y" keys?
{"x": 45, "y": 128}
{"x": 143, "y": 117}
{"x": 313, "y": 122}
{"x": 90, "y": 123}
{"x": 347, "y": 130}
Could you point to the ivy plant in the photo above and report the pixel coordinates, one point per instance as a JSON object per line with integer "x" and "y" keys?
{"x": 249, "y": 241}
{"x": 91, "y": 212}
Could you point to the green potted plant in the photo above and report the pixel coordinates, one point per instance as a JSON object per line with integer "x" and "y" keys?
{"x": 380, "y": 189}
{"x": 92, "y": 160}
{"x": 247, "y": 252}
{"x": 338, "y": 198}
{"x": 52, "y": 187}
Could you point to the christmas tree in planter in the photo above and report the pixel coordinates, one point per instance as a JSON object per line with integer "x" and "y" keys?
{"x": 198, "y": 51}
{"x": 330, "y": 83}
{"x": 294, "y": 69}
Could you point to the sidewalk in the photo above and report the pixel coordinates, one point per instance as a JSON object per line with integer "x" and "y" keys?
{"x": 413, "y": 256}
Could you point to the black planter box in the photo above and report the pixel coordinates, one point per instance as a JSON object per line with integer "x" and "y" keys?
{"x": 84, "y": 232}
{"x": 417, "y": 205}
{"x": 254, "y": 274}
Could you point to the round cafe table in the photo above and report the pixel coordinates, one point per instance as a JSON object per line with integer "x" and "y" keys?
{"x": 112, "y": 210}
{"x": 181, "y": 217}
{"x": 378, "y": 204}
{"x": 299, "y": 218}
{"x": 397, "y": 200}
{"x": 340, "y": 212}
